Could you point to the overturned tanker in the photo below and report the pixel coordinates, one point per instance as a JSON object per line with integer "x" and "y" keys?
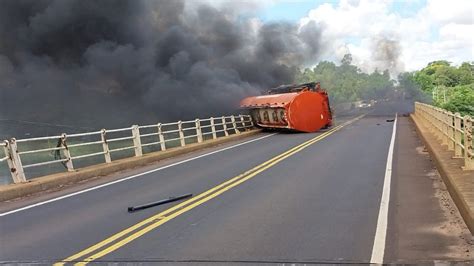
{"x": 303, "y": 107}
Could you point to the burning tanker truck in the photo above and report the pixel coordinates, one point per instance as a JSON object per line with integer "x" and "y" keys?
{"x": 303, "y": 107}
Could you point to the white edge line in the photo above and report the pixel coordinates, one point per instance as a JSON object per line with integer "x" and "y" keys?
{"x": 131, "y": 177}
{"x": 378, "y": 250}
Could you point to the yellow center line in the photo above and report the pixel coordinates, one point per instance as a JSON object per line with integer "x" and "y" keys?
{"x": 163, "y": 217}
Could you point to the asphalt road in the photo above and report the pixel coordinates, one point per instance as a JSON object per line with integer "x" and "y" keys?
{"x": 316, "y": 204}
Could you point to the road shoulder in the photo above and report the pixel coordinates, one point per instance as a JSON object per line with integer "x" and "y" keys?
{"x": 424, "y": 223}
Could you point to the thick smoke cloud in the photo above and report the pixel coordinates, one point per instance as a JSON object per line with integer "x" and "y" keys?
{"x": 115, "y": 62}
{"x": 386, "y": 55}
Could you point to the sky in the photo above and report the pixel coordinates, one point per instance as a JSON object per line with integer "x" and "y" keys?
{"x": 422, "y": 30}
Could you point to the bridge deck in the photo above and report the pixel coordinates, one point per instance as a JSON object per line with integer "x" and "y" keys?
{"x": 318, "y": 204}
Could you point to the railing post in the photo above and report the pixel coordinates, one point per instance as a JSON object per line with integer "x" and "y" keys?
{"x": 242, "y": 121}
{"x": 422, "y": 113}
{"x": 468, "y": 146}
{"x": 250, "y": 120}
{"x": 198, "y": 130}
{"x": 429, "y": 118}
{"x": 438, "y": 135}
{"x": 67, "y": 153}
{"x": 161, "y": 138}
{"x": 234, "y": 124}
{"x": 224, "y": 125}
{"x": 417, "y": 110}
{"x": 440, "y": 125}
{"x": 457, "y": 136}
{"x": 137, "y": 141}
{"x": 105, "y": 146}
{"x": 14, "y": 162}
{"x": 435, "y": 122}
{"x": 213, "y": 128}
{"x": 450, "y": 129}
{"x": 181, "y": 134}
{"x": 444, "y": 127}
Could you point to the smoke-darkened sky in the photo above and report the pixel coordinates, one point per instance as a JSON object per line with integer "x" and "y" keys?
{"x": 116, "y": 62}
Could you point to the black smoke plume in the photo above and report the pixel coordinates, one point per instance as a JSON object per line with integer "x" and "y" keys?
{"x": 386, "y": 54}
{"x": 112, "y": 63}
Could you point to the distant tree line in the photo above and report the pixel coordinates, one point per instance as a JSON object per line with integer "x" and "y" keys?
{"x": 439, "y": 83}
{"x": 346, "y": 82}
{"x": 450, "y": 87}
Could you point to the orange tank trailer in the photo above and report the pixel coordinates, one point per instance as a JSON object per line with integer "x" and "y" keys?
{"x": 303, "y": 107}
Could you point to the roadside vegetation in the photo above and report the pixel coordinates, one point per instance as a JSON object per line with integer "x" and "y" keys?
{"x": 451, "y": 87}
{"x": 439, "y": 83}
{"x": 346, "y": 82}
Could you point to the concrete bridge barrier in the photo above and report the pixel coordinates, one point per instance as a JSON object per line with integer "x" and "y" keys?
{"x": 448, "y": 138}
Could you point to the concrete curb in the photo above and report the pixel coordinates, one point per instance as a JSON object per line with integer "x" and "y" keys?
{"x": 12, "y": 191}
{"x": 450, "y": 171}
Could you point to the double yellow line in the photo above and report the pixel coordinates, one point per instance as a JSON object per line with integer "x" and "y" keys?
{"x": 126, "y": 236}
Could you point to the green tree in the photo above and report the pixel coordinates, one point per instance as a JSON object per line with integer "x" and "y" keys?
{"x": 347, "y": 83}
{"x": 425, "y": 81}
{"x": 455, "y": 84}
{"x": 461, "y": 99}
{"x": 410, "y": 87}
{"x": 347, "y": 59}
{"x": 466, "y": 73}
{"x": 446, "y": 76}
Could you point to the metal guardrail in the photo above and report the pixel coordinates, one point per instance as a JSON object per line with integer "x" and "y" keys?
{"x": 451, "y": 129}
{"x": 161, "y": 136}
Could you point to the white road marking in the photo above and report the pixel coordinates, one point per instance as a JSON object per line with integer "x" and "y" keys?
{"x": 378, "y": 250}
{"x": 131, "y": 177}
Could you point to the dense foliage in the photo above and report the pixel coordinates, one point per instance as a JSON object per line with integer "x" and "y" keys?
{"x": 439, "y": 83}
{"x": 346, "y": 82}
{"x": 451, "y": 87}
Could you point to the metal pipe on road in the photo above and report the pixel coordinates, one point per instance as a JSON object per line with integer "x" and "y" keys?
{"x": 156, "y": 203}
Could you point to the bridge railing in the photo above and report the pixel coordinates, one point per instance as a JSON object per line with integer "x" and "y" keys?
{"x": 72, "y": 150}
{"x": 452, "y": 130}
